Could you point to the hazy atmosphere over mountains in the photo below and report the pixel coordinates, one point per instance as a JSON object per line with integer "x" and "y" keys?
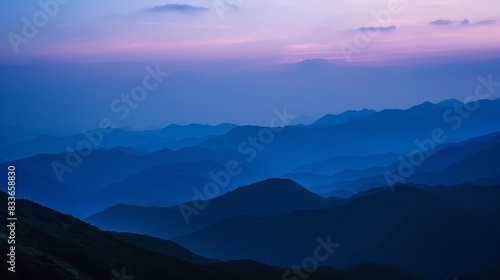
{"x": 223, "y": 139}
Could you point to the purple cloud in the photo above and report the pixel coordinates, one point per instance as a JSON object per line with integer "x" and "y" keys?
{"x": 441, "y": 22}
{"x": 376, "y": 29}
{"x": 181, "y": 8}
{"x": 486, "y": 22}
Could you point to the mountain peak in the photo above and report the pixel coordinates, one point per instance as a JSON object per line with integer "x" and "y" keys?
{"x": 273, "y": 190}
{"x": 273, "y": 184}
{"x": 331, "y": 119}
{"x": 426, "y": 104}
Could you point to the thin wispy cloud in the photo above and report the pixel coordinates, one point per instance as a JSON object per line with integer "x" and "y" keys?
{"x": 464, "y": 22}
{"x": 377, "y": 29}
{"x": 179, "y": 8}
{"x": 486, "y": 22}
{"x": 441, "y": 22}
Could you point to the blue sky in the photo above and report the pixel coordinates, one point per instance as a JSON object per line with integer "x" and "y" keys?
{"x": 237, "y": 62}
{"x": 269, "y": 31}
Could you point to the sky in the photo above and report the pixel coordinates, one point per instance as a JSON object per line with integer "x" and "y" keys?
{"x": 63, "y": 63}
{"x": 268, "y": 31}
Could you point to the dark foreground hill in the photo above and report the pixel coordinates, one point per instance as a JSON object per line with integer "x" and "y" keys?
{"x": 410, "y": 228}
{"x": 55, "y": 246}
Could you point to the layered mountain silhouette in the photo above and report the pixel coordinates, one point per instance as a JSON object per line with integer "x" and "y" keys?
{"x": 375, "y": 189}
{"x": 337, "y": 164}
{"x": 266, "y": 198}
{"x": 330, "y": 120}
{"x": 56, "y": 246}
{"x": 26, "y": 143}
{"x": 78, "y": 193}
{"x": 115, "y": 171}
{"x": 422, "y": 233}
{"x": 470, "y": 161}
{"x": 373, "y": 134}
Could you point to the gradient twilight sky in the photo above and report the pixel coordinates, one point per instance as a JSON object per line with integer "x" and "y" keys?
{"x": 238, "y": 67}
{"x": 271, "y": 31}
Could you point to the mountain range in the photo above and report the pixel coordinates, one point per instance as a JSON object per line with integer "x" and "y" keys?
{"x": 386, "y": 194}
{"x": 74, "y": 250}
{"x": 377, "y": 227}
{"x": 314, "y": 156}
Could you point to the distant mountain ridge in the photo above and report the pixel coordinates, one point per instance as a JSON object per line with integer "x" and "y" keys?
{"x": 337, "y": 160}
{"x": 392, "y": 224}
{"x": 170, "y": 136}
{"x": 386, "y": 131}
{"x": 274, "y": 197}
{"x": 56, "y": 246}
{"x": 329, "y": 120}
{"x": 449, "y": 164}
{"x": 114, "y": 167}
